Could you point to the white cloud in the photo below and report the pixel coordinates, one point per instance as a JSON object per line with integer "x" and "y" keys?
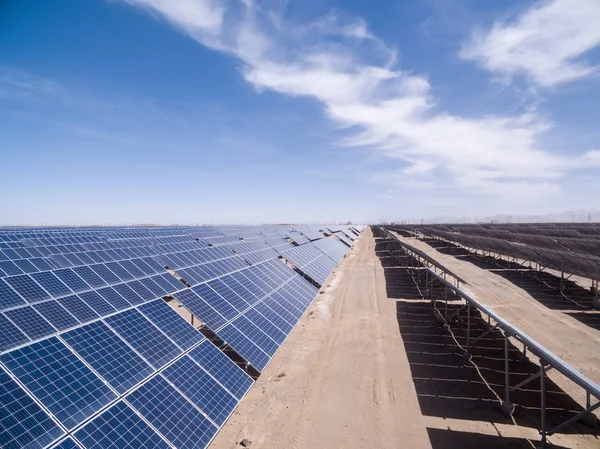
{"x": 384, "y": 108}
{"x": 547, "y": 43}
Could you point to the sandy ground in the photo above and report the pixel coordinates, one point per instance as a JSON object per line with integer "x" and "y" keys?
{"x": 342, "y": 378}
{"x": 369, "y": 367}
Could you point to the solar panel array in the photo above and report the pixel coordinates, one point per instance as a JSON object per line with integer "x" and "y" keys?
{"x": 91, "y": 355}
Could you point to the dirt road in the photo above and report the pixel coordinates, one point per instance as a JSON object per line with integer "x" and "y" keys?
{"x": 342, "y": 379}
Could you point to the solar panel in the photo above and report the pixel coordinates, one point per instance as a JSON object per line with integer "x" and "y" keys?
{"x": 243, "y": 346}
{"x": 256, "y": 335}
{"x": 30, "y": 322}
{"x": 177, "y": 419}
{"x": 8, "y": 297}
{"x": 154, "y": 288}
{"x": 52, "y": 284}
{"x": 27, "y": 288}
{"x": 89, "y": 276}
{"x": 128, "y": 293}
{"x": 9, "y": 267}
{"x": 66, "y": 444}
{"x": 108, "y": 276}
{"x": 26, "y": 266}
{"x": 216, "y": 301}
{"x": 171, "y": 323}
{"x": 78, "y": 308}
{"x": 222, "y": 368}
{"x": 59, "y": 380}
{"x": 113, "y": 298}
{"x": 201, "y": 389}
{"x": 23, "y": 423}
{"x": 229, "y": 295}
{"x": 121, "y": 272}
{"x": 100, "y": 305}
{"x": 10, "y": 335}
{"x": 110, "y": 356}
{"x": 200, "y": 308}
{"x": 142, "y": 291}
{"x": 119, "y": 428}
{"x": 73, "y": 281}
{"x": 269, "y": 328}
{"x": 56, "y": 315}
{"x": 144, "y": 337}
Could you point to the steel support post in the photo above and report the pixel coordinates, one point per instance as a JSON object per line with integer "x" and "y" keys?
{"x": 446, "y": 303}
{"x": 543, "y": 402}
{"x": 467, "y": 353}
{"x": 507, "y": 407}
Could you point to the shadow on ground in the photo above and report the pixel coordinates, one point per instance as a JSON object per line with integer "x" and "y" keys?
{"x": 544, "y": 287}
{"x": 448, "y": 386}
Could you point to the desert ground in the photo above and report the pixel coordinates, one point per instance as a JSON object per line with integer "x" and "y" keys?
{"x": 368, "y": 366}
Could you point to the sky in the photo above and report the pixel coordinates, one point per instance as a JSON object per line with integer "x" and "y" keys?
{"x": 287, "y": 111}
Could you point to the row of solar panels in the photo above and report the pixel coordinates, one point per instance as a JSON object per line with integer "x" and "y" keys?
{"x": 142, "y": 373}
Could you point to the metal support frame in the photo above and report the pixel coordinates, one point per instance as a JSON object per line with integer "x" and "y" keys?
{"x": 548, "y": 360}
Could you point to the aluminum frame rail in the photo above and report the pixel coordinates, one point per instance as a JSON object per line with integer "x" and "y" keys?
{"x": 548, "y": 360}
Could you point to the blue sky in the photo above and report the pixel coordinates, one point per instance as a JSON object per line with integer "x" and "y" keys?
{"x": 252, "y": 111}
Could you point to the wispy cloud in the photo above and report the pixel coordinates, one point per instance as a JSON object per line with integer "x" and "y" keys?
{"x": 546, "y": 43}
{"x": 354, "y": 75}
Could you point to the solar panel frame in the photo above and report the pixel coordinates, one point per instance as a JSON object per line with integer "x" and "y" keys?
{"x": 43, "y": 366}
{"x": 30, "y": 322}
{"x": 119, "y": 427}
{"x": 172, "y": 324}
{"x": 201, "y": 389}
{"x": 222, "y": 368}
{"x": 27, "y": 288}
{"x": 172, "y": 414}
{"x": 23, "y": 423}
{"x": 144, "y": 337}
{"x": 119, "y": 365}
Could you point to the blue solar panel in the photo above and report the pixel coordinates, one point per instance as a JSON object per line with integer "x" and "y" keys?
{"x": 10, "y": 335}
{"x": 285, "y": 326}
{"x": 142, "y": 291}
{"x": 110, "y": 356}
{"x": 133, "y": 269}
{"x": 8, "y": 297}
{"x": 66, "y": 444}
{"x": 172, "y": 414}
{"x": 56, "y": 315}
{"x": 108, "y": 276}
{"x": 9, "y": 267}
{"x": 243, "y": 346}
{"x": 165, "y": 286}
{"x": 201, "y": 389}
{"x": 23, "y": 423}
{"x": 222, "y": 368}
{"x": 171, "y": 323}
{"x": 230, "y": 296}
{"x": 97, "y": 302}
{"x": 175, "y": 283}
{"x": 200, "y": 308}
{"x": 216, "y": 301}
{"x": 26, "y": 266}
{"x": 27, "y": 288}
{"x": 129, "y": 294}
{"x": 78, "y": 308}
{"x": 89, "y": 276}
{"x": 116, "y": 268}
{"x": 59, "y": 380}
{"x": 257, "y": 336}
{"x": 52, "y": 284}
{"x": 154, "y": 288}
{"x": 248, "y": 285}
{"x": 41, "y": 264}
{"x": 73, "y": 281}
{"x": 119, "y": 428}
{"x": 144, "y": 337}
{"x": 113, "y": 298}
{"x": 266, "y": 326}
{"x": 30, "y": 322}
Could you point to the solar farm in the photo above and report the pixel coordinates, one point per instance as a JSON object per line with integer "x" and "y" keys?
{"x": 522, "y": 302}
{"x": 147, "y": 337}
